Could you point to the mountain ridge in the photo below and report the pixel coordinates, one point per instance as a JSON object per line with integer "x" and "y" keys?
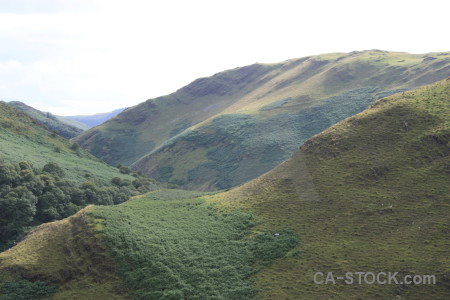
{"x": 165, "y": 137}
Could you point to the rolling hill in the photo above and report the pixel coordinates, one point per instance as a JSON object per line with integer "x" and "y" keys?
{"x": 52, "y": 122}
{"x": 369, "y": 194}
{"x": 221, "y": 131}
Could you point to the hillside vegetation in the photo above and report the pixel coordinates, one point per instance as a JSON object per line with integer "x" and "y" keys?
{"x": 25, "y": 139}
{"x": 52, "y": 122}
{"x": 44, "y": 177}
{"x": 221, "y": 131}
{"x": 369, "y": 194}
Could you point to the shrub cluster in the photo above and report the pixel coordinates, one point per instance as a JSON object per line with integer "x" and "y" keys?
{"x": 24, "y": 290}
{"x": 187, "y": 249}
{"x": 31, "y": 196}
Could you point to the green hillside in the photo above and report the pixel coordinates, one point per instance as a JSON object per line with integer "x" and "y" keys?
{"x": 45, "y": 177}
{"x": 53, "y": 123}
{"x": 221, "y": 131}
{"x": 25, "y": 139}
{"x": 370, "y": 194}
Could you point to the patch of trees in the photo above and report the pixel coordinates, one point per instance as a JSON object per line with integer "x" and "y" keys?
{"x": 31, "y": 196}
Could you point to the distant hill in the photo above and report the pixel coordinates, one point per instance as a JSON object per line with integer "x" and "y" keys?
{"x": 221, "y": 131}
{"x": 96, "y": 119}
{"x": 52, "y": 122}
{"x": 369, "y": 194}
{"x": 73, "y": 123}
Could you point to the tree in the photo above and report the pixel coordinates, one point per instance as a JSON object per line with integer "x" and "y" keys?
{"x": 54, "y": 169}
{"x": 124, "y": 170}
{"x": 75, "y": 147}
{"x": 17, "y": 210}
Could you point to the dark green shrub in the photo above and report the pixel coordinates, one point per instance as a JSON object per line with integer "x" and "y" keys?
{"x": 53, "y": 168}
{"x": 75, "y": 147}
{"x": 25, "y": 290}
{"x": 124, "y": 170}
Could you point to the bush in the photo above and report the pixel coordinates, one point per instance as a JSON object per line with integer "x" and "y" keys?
{"x": 75, "y": 147}
{"x": 25, "y": 290}
{"x": 124, "y": 170}
{"x": 187, "y": 249}
{"x": 31, "y": 196}
{"x": 53, "y": 168}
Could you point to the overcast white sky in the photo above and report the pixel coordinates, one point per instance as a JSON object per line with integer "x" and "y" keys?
{"x": 87, "y": 56}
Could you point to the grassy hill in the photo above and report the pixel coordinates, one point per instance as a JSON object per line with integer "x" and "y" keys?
{"x": 45, "y": 177}
{"x": 53, "y": 123}
{"x": 26, "y": 139}
{"x": 369, "y": 194}
{"x": 221, "y": 131}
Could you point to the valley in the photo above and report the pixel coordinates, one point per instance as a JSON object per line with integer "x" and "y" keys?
{"x": 242, "y": 185}
{"x": 221, "y": 131}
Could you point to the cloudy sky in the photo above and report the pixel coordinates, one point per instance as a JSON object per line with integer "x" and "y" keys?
{"x": 87, "y": 56}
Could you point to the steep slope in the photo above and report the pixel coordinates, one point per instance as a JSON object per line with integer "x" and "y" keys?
{"x": 370, "y": 194}
{"x": 222, "y": 131}
{"x": 138, "y": 130}
{"x": 52, "y": 122}
{"x": 93, "y": 120}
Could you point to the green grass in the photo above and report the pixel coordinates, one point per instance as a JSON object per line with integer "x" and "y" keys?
{"x": 369, "y": 194}
{"x": 151, "y": 123}
{"x": 50, "y": 121}
{"x": 240, "y": 147}
{"x": 23, "y": 139}
{"x": 66, "y": 254}
{"x": 254, "y": 130}
{"x": 186, "y": 249}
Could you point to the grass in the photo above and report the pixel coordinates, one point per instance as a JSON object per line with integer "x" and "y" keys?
{"x": 369, "y": 194}
{"x": 50, "y": 121}
{"x": 69, "y": 255}
{"x": 25, "y": 140}
{"x": 139, "y": 131}
{"x": 266, "y": 123}
{"x": 240, "y": 147}
{"x": 186, "y": 249}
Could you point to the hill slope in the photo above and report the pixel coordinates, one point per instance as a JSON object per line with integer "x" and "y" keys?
{"x": 52, "y": 122}
{"x": 44, "y": 177}
{"x": 23, "y": 138}
{"x": 224, "y": 130}
{"x": 370, "y": 194}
